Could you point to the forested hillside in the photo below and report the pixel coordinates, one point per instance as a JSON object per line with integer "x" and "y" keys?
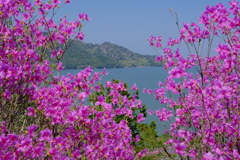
{"x": 80, "y": 55}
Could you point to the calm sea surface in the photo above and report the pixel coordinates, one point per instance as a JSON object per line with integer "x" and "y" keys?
{"x": 144, "y": 77}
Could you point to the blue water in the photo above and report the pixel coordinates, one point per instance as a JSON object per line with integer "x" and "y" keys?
{"x": 143, "y": 77}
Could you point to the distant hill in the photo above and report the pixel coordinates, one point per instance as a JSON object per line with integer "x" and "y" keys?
{"x": 81, "y": 54}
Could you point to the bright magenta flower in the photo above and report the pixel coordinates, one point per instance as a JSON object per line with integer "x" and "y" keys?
{"x": 83, "y": 16}
{"x": 80, "y": 36}
{"x": 140, "y": 117}
{"x": 31, "y": 112}
{"x": 134, "y": 87}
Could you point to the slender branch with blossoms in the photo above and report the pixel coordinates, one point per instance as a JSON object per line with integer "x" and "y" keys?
{"x": 206, "y": 115}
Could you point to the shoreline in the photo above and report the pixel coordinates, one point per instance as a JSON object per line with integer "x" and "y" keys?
{"x": 113, "y": 68}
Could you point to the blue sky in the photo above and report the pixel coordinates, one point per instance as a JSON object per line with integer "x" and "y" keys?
{"x": 129, "y": 23}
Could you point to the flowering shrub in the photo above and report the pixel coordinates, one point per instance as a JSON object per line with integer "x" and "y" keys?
{"x": 46, "y": 117}
{"x": 206, "y": 117}
{"x": 135, "y": 114}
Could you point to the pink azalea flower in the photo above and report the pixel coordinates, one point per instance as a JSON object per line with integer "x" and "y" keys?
{"x": 163, "y": 114}
{"x": 59, "y": 67}
{"x": 209, "y": 156}
{"x": 45, "y": 135}
{"x": 83, "y": 16}
{"x": 134, "y": 87}
{"x": 31, "y": 112}
{"x": 140, "y": 117}
{"x": 80, "y": 36}
{"x": 150, "y": 112}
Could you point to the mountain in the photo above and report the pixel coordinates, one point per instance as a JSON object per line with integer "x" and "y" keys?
{"x": 81, "y": 54}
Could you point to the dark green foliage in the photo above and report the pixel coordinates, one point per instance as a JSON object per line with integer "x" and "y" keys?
{"x": 149, "y": 137}
{"x": 151, "y": 141}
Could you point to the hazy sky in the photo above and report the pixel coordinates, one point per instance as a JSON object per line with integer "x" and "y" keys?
{"x": 129, "y": 23}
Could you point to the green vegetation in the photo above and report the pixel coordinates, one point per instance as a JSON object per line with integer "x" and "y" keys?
{"x": 80, "y": 55}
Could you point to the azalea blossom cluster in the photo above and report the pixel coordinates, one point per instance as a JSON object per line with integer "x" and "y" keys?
{"x": 68, "y": 128}
{"x": 49, "y": 117}
{"x": 205, "y": 116}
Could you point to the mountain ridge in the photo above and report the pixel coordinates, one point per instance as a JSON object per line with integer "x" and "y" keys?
{"x": 108, "y": 55}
